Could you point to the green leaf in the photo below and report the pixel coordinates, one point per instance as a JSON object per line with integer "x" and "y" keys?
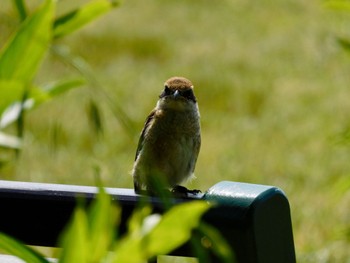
{"x": 49, "y": 91}
{"x": 21, "y": 9}
{"x": 175, "y": 227}
{"x": 61, "y": 86}
{"x": 11, "y": 246}
{"x": 129, "y": 249}
{"x": 21, "y": 56}
{"x": 148, "y": 236}
{"x": 95, "y": 117}
{"x": 75, "y": 239}
{"x": 80, "y": 17}
{"x": 103, "y": 218}
{"x": 37, "y": 96}
{"x": 345, "y": 43}
{"x": 10, "y": 91}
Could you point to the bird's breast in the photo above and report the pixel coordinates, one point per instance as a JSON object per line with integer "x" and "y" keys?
{"x": 175, "y": 123}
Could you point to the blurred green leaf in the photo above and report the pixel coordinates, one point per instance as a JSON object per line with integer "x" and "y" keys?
{"x": 95, "y": 117}
{"x": 175, "y": 227}
{"x": 91, "y": 234}
{"x": 10, "y": 91}
{"x": 21, "y": 9}
{"x": 61, "y": 86}
{"x": 89, "y": 237}
{"x": 135, "y": 222}
{"x": 345, "y": 43}
{"x": 129, "y": 249}
{"x": 75, "y": 239}
{"x": 147, "y": 239}
{"x": 37, "y": 96}
{"x": 49, "y": 91}
{"x": 16, "y": 248}
{"x": 22, "y": 55}
{"x": 103, "y": 219}
{"x": 80, "y": 17}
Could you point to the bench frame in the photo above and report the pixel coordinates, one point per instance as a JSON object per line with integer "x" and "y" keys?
{"x": 254, "y": 219}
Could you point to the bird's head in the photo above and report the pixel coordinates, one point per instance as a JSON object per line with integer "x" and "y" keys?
{"x": 177, "y": 94}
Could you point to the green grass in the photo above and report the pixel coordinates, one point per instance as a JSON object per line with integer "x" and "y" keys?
{"x": 273, "y": 90}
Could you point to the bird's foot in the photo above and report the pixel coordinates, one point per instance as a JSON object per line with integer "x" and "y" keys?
{"x": 183, "y": 191}
{"x": 177, "y": 191}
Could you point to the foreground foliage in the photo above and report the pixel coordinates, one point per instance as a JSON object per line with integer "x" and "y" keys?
{"x": 22, "y": 55}
{"x": 92, "y": 235}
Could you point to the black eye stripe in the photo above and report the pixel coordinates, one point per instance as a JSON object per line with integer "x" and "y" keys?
{"x": 166, "y": 92}
{"x": 188, "y": 93}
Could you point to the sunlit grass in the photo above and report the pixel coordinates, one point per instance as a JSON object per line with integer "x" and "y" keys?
{"x": 272, "y": 85}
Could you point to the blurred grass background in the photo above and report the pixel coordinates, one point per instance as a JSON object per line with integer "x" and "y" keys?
{"x": 273, "y": 89}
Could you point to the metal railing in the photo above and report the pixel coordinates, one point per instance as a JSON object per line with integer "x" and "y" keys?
{"x": 254, "y": 219}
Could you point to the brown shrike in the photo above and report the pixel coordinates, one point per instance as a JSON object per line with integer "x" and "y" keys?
{"x": 170, "y": 141}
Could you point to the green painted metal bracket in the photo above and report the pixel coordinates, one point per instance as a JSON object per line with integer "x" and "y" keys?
{"x": 255, "y": 220}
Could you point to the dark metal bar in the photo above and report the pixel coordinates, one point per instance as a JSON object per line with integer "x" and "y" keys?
{"x": 254, "y": 219}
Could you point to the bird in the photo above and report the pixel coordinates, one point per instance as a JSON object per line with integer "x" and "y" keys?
{"x": 170, "y": 141}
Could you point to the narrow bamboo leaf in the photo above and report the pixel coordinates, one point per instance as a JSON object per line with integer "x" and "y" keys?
{"x": 75, "y": 239}
{"x": 22, "y": 55}
{"x": 59, "y": 87}
{"x": 37, "y": 96}
{"x": 21, "y": 9}
{"x": 80, "y": 17}
{"x": 95, "y": 117}
{"x": 175, "y": 227}
{"x": 9, "y": 141}
{"x": 10, "y": 91}
{"x": 16, "y": 248}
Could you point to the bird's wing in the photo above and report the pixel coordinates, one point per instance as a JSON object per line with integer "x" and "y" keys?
{"x": 147, "y": 125}
{"x": 197, "y": 146}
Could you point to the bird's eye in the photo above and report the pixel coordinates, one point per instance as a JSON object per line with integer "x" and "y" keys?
{"x": 188, "y": 94}
{"x": 166, "y": 92}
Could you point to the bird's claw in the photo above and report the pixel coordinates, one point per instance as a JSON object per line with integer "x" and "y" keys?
{"x": 181, "y": 190}
{"x": 194, "y": 191}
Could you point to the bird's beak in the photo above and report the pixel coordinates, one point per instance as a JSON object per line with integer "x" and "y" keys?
{"x": 176, "y": 94}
